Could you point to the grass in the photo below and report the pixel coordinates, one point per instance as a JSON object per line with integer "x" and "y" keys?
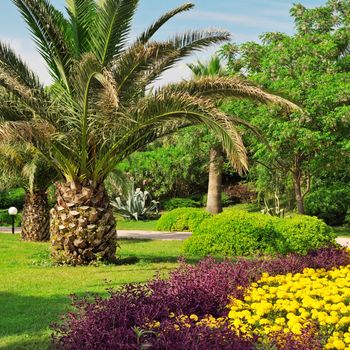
{"x": 33, "y": 293}
{"x": 149, "y": 225}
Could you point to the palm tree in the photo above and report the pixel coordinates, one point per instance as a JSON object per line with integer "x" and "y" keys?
{"x": 213, "y": 68}
{"x": 98, "y": 112}
{"x": 22, "y": 162}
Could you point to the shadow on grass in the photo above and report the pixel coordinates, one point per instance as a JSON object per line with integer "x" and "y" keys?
{"x": 29, "y": 314}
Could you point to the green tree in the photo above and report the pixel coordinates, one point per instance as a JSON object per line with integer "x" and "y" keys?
{"x": 24, "y": 166}
{"x": 213, "y": 68}
{"x": 98, "y": 111}
{"x": 312, "y": 69}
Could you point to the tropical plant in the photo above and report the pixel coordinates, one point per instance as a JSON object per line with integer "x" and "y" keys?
{"x": 23, "y": 162}
{"x": 98, "y": 110}
{"x": 139, "y": 205}
{"x": 212, "y": 68}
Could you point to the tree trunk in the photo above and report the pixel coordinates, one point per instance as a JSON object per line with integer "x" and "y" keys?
{"x": 298, "y": 193}
{"x": 214, "y": 202}
{"x": 36, "y": 217}
{"x": 82, "y": 225}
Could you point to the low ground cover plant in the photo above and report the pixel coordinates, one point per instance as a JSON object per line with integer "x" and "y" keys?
{"x": 182, "y": 219}
{"x": 189, "y": 309}
{"x": 238, "y": 233}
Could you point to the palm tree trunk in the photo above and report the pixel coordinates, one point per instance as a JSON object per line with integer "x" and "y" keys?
{"x": 214, "y": 202}
{"x": 36, "y": 217}
{"x": 82, "y": 224}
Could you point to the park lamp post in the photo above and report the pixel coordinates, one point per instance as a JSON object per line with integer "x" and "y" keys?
{"x": 13, "y": 212}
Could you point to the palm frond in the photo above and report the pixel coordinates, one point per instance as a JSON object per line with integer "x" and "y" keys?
{"x": 82, "y": 14}
{"x": 183, "y": 45}
{"x": 112, "y": 28}
{"x": 149, "y": 32}
{"x": 13, "y": 64}
{"x": 229, "y": 87}
{"x": 50, "y": 32}
{"x": 152, "y": 112}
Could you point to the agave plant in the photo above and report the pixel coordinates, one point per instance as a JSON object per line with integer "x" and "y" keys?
{"x": 97, "y": 111}
{"x": 139, "y": 205}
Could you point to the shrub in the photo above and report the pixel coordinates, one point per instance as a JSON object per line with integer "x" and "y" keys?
{"x": 6, "y": 219}
{"x": 13, "y": 197}
{"x": 175, "y": 203}
{"x": 234, "y": 233}
{"x": 329, "y": 204}
{"x": 303, "y": 233}
{"x": 116, "y": 322}
{"x": 182, "y": 219}
{"x": 238, "y": 233}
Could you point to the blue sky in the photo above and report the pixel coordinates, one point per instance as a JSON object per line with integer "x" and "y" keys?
{"x": 245, "y": 19}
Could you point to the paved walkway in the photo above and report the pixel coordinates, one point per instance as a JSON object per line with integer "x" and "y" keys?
{"x": 167, "y": 236}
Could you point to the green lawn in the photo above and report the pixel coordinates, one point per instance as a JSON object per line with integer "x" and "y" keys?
{"x": 136, "y": 225}
{"x": 33, "y": 293}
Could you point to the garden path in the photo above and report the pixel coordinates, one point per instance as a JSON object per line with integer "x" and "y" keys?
{"x": 160, "y": 235}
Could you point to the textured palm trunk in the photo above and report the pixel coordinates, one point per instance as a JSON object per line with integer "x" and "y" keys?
{"x": 82, "y": 225}
{"x": 214, "y": 202}
{"x": 36, "y": 217}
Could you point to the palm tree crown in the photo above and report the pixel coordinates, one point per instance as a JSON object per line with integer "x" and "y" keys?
{"x": 97, "y": 112}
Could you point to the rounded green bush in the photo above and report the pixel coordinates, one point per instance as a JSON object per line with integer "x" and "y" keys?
{"x": 238, "y": 233}
{"x": 303, "y": 233}
{"x": 182, "y": 219}
{"x": 234, "y": 233}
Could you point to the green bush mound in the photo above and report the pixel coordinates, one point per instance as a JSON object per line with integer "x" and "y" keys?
{"x": 6, "y": 219}
{"x": 13, "y": 197}
{"x": 238, "y": 233}
{"x": 303, "y": 233}
{"x": 175, "y": 203}
{"x": 182, "y": 219}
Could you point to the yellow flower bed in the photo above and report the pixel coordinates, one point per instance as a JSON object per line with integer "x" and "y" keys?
{"x": 289, "y": 303}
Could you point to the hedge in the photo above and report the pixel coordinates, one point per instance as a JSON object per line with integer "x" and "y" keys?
{"x": 182, "y": 219}
{"x": 238, "y": 233}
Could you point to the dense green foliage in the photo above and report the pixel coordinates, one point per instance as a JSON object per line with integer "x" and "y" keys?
{"x": 312, "y": 68}
{"x": 238, "y": 233}
{"x": 13, "y": 197}
{"x": 182, "y": 219}
{"x": 175, "y": 166}
{"x": 6, "y": 218}
{"x": 329, "y": 203}
{"x": 178, "y": 202}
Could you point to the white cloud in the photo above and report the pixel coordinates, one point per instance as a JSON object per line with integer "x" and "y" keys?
{"x": 241, "y": 20}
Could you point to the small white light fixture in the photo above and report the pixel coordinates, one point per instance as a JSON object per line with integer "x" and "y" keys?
{"x": 13, "y": 211}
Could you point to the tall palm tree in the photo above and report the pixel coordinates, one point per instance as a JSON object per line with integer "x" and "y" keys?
{"x": 97, "y": 111}
{"x": 24, "y": 163}
{"x": 213, "y": 68}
